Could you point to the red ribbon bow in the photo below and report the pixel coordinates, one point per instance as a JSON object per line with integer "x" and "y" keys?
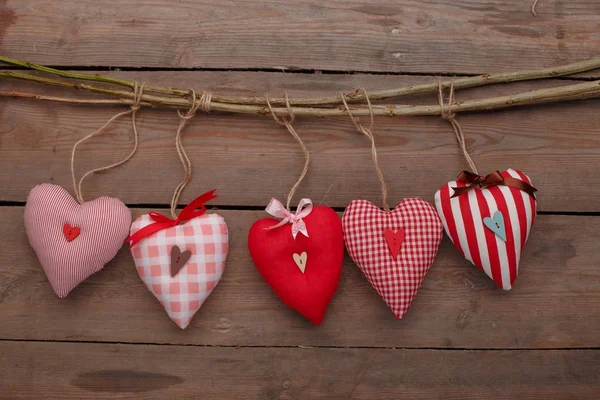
{"x": 493, "y": 179}
{"x": 195, "y": 209}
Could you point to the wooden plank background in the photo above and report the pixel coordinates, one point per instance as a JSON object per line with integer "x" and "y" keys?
{"x": 462, "y": 338}
{"x": 65, "y": 371}
{"x": 250, "y": 159}
{"x": 459, "y": 36}
{"x": 553, "y": 305}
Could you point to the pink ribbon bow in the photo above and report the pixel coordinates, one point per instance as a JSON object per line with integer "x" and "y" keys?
{"x": 276, "y": 209}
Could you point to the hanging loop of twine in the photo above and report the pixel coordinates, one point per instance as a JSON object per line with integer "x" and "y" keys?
{"x": 368, "y": 132}
{"x": 138, "y": 90}
{"x": 533, "y": 5}
{"x": 204, "y": 104}
{"x": 287, "y": 122}
{"x": 448, "y": 115}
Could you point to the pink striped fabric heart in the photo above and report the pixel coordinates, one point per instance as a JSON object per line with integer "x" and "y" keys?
{"x": 194, "y": 251}
{"x": 393, "y": 249}
{"x": 490, "y": 225}
{"x": 73, "y": 241}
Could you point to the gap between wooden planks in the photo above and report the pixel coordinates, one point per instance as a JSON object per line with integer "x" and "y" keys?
{"x": 554, "y": 303}
{"x": 251, "y": 159}
{"x": 89, "y": 371}
{"x": 467, "y": 36}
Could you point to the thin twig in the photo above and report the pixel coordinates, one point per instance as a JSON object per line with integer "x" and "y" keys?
{"x": 70, "y": 100}
{"x": 460, "y": 83}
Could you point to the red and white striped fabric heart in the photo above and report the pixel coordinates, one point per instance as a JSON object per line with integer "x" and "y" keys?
{"x": 73, "y": 241}
{"x": 489, "y": 225}
{"x": 181, "y": 264}
{"x": 393, "y": 249}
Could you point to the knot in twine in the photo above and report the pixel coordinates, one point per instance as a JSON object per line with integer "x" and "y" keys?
{"x": 204, "y": 104}
{"x": 450, "y": 116}
{"x": 369, "y": 134}
{"x": 138, "y": 91}
{"x": 287, "y": 122}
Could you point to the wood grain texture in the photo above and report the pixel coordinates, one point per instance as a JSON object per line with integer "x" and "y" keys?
{"x": 465, "y": 36}
{"x": 90, "y": 371}
{"x": 251, "y": 159}
{"x": 463, "y": 337}
{"x": 554, "y": 303}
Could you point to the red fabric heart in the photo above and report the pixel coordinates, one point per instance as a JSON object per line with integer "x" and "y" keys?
{"x": 273, "y": 250}
{"x": 497, "y": 254}
{"x": 396, "y": 279}
{"x": 104, "y": 225}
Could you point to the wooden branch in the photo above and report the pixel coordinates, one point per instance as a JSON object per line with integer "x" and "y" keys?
{"x": 578, "y": 91}
{"x": 459, "y": 83}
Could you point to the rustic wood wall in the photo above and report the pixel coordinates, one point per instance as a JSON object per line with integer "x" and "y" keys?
{"x": 462, "y": 338}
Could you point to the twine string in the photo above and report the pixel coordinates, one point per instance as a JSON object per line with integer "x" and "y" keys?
{"x": 138, "y": 90}
{"x": 533, "y": 6}
{"x": 287, "y": 122}
{"x": 368, "y": 132}
{"x": 450, "y": 116}
{"x": 204, "y": 104}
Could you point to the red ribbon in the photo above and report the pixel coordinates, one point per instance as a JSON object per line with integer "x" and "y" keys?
{"x": 195, "y": 209}
{"x": 492, "y": 179}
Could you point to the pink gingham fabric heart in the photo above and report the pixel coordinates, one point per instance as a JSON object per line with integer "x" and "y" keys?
{"x": 182, "y": 295}
{"x": 73, "y": 241}
{"x": 395, "y": 274}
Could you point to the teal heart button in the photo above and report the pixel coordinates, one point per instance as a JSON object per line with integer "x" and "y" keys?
{"x": 496, "y": 224}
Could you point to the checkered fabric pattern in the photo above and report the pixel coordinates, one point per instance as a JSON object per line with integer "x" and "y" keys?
{"x": 397, "y": 280}
{"x": 206, "y": 238}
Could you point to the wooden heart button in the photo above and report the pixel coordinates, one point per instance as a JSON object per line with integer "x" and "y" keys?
{"x": 300, "y": 260}
{"x": 496, "y": 224}
{"x": 70, "y": 232}
{"x": 394, "y": 240}
{"x": 178, "y": 259}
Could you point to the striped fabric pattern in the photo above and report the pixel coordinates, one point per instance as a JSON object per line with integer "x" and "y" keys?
{"x": 463, "y": 218}
{"x": 104, "y": 224}
{"x": 182, "y": 295}
{"x": 396, "y": 279}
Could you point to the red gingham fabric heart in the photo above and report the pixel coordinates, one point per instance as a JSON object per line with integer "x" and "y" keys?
{"x": 182, "y": 295}
{"x": 464, "y": 218}
{"x": 396, "y": 279}
{"x": 103, "y": 224}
